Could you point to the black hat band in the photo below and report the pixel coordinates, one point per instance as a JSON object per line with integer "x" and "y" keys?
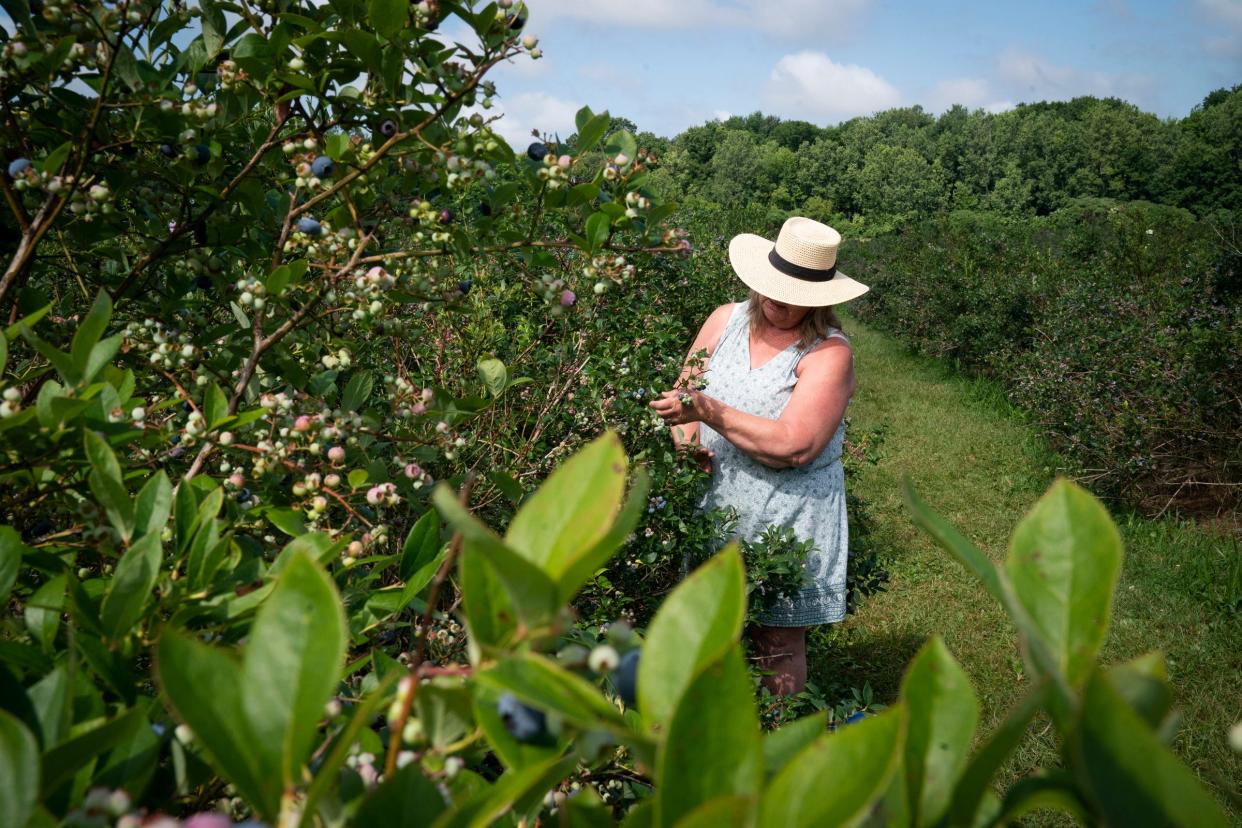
{"x": 806, "y": 274}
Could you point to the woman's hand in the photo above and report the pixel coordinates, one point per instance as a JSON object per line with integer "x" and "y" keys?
{"x": 678, "y": 407}
{"x": 704, "y": 456}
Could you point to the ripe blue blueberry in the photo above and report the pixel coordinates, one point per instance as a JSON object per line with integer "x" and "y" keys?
{"x": 446, "y": 216}
{"x": 388, "y": 127}
{"x": 309, "y": 226}
{"x": 201, "y": 154}
{"x": 517, "y": 22}
{"x": 537, "y": 151}
{"x": 244, "y": 495}
{"x": 203, "y": 283}
{"x": 525, "y": 724}
{"x": 485, "y": 209}
{"x": 176, "y": 438}
{"x": 168, "y": 151}
{"x": 625, "y": 678}
{"x": 18, "y": 167}
{"x": 322, "y": 167}
{"x": 464, "y": 286}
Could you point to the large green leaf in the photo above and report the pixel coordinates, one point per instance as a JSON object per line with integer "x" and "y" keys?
{"x": 941, "y": 715}
{"x": 43, "y": 610}
{"x": 153, "y": 505}
{"x": 1144, "y": 684}
{"x": 580, "y": 569}
{"x": 116, "y": 503}
{"x": 1133, "y": 778}
{"x": 201, "y": 686}
{"x": 698, "y": 622}
{"x": 975, "y": 780}
{"x": 19, "y": 771}
{"x": 292, "y": 665}
{"x": 782, "y": 744}
{"x": 131, "y": 585}
{"x": 102, "y": 458}
{"x": 573, "y": 509}
{"x": 388, "y": 16}
{"x": 531, "y": 591}
{"x": 407, "y": 800}
{"x": 838, "y": 779}
{"x": 61, "y": 762}
{"x": 90, "y": 330}
{"x": 257, "y": 720}
{"x": 722, "y": 812}
{"x": 713, "y": 743}
{"x": 515, "y": 791}
{"x": 422, "y": 546}
{"x": 11, "y": 551}
{"x": 494, "y": 374}
{"x": 1064, "y": 559}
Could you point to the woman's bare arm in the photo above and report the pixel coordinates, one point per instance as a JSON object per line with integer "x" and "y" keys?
{"x": 709, "y": 337}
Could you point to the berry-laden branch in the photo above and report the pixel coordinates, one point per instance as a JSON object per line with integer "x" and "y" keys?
{"x": 397, "y": 728}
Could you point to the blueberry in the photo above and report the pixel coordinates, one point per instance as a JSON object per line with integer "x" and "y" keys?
{"x": 244, "y": 496}
{"x": 322, "y": 167}
{"x": 446, "y": 216}
{"x": 202, "y": 154}
{"x": 485, "y": 209}
{"x": 517, "y": 22}
{"x": 176, "y": 438}
{"x": 464, "y": 286}
{"x": 388, "y": 127}
{"x": 203, "y": 283}
{"x": 525, "y": 724}
{"x": 309, "y": 226}
{"x": 18, "y": 167}
{"x": 186, "y": 407}
{"x": 625, "y": 679}
{"x": 168, "y": 151}
{"x": 537, "y": 151}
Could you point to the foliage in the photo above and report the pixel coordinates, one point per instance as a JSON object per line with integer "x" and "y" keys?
{"x": 1116, "y": 327}
{"x": 775, "y": 564}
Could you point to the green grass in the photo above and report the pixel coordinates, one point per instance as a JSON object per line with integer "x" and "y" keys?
{"x": 973, "y": 460}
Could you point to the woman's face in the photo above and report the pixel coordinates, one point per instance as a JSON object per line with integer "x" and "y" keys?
{"x": 781, "y": 315}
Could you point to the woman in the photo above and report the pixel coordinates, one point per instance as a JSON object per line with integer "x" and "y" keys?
{"x": 770, "y": 423}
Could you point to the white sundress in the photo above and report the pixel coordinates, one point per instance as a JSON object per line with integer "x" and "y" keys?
{"x": 809, "y": 499}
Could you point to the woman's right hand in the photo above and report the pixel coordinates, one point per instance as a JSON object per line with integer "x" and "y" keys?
{"x": 704, "y": 456}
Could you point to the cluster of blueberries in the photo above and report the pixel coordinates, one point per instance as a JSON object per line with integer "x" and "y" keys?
{"x": 529, "y": 725}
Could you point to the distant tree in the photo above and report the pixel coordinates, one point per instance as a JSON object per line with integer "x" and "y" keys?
{"x": 734, "y": 172}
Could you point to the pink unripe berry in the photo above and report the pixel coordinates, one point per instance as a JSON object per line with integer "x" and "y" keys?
{"x": 332, "y": 481}
{"x": 355, "y": 548}
{"x": 418, "y": 408}
{"x": 564, "y": 162}
{"x": 374, "y": 495}
{"x": 302, "y": 423}
{"x": 236, "y": 480}
{"x": 413, "y": 470}
{"x": 208, "y": 819}
{"x": 336, "y": 454}
{"x": 568, "y": 299}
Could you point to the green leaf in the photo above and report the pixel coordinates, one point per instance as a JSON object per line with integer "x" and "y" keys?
{"x": 580, "y": 570}
{"x": 1144, "y": 684}
{"x": 532, "y": 593}
{"x": 542, "y": 683}
{"x": 590, "y": 132}
{"x": 698, "y": 622}
{"x": 573, "y": 509}
{"x": 1064, "y": 559}
{"x": 955, "y": 543}
{"x": 200, "y": 684}
{"x": 1133, "y": 778}
{"x": 43, "y": 611}
{"x": 62, "y": 762}
{"x": 11, "y": 551}
{"x": 508, "y": 485}
{"x": 101, "y": 355}
{"x": 388, "y": 16}
{"x": 337, "y": 144}
{"x": 942, "y": 713}
{"x": 153, "y": 505}
{"x": 582, "y": 116}
{"x": 596, "y": 231}
{"x": 289, "y": 521}
{"x": 495, "y": 376}
{"x": 976, "y": 780}
{"x": 357, "y": 392}
{"x": 19, "y": 771}
{"x": 713, "y": 744}
{"x": 357, "y": 477}
{"x": 622, "y": 141}
{"x": 101, "y": 456}
{"x": 57, "y": 157}
{"x": 215, "y": 27}
{"x": 185, "y": 514}
{"x": 782, "y": 744}
{"x": 4, "y": 353}
{"x": 861, "y": 759}
{"x": 291, "y": 666}
{"x": 91, "y": 330}
{"x": 722, "y": 812}
{"x": 422, "y": 546}
{"x": 516, "y": 790}
{"x": 61, "y": 361}
{"x": 215, "y": 406}
{"x": 116, "y": 503}
{"x": 131, "y": 585}
{"x": 407, "y": 800}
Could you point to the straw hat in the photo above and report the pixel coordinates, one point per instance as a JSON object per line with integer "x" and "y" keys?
{"x": 800, "y": 269}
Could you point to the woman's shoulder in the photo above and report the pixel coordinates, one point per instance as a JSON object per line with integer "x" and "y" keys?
{"x": 716, "y": 323}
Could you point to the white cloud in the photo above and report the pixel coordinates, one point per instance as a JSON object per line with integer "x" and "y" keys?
{"x": 1226, "y": 16}
{"x": 804, "y": 19}
{"x": 721, "y": 114}
{"x": 811, "y": 85}
{"x": 1030, "y": 77}
{"x": 534, "y": 110}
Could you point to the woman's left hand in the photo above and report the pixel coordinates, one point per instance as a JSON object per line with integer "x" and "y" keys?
{"x": 678, "y": 407}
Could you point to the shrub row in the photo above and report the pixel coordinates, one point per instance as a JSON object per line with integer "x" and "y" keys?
{"x": 1116, "y": 326}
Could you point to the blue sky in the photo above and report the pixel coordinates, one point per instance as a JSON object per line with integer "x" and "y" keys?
{"x": 669, "y": 64}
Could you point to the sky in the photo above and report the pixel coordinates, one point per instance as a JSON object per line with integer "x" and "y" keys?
{"x": 671, "y": 64}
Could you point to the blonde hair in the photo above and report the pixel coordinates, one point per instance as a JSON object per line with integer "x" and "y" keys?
{"x": 816, "y": 322}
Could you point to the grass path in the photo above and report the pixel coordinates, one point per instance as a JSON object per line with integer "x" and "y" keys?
{"x": 974, "y": 462}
